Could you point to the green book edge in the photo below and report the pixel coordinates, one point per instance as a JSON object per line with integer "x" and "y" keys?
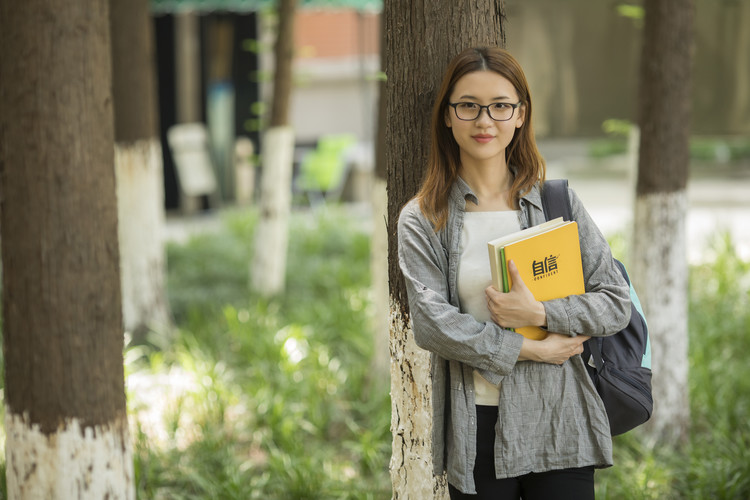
{"x": 504, "y": 272}
{"x": 504, "y": 269}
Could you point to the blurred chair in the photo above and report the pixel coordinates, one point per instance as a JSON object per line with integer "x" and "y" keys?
{"x": 195, "y": 173}
{"x": 324, "y": 170}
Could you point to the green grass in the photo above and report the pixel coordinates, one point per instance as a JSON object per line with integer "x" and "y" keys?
{"x": 275, "y": 399}
{"x": 324, "y": 437}
{"x": 281, "y": 399}
{"x": 715, "y": 462}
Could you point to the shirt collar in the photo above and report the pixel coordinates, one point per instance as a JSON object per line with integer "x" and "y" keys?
{"x": 461, "y": 192}
{"x": 534, "y": 196}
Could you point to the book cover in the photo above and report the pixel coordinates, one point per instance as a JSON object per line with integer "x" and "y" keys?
{"x": 548, "y": 258}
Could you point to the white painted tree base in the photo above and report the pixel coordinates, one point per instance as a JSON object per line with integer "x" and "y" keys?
{"x": 268, "y": 269}
{"x": 379, "y": 273}
{"x": 659, "y": 272}
{"x": 70, "y": 464}
{"x": 411, "y": 417}
{"x": 140, "y": 207}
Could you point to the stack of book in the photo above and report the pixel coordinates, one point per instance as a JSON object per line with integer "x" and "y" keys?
{"x": 548, "y": 258}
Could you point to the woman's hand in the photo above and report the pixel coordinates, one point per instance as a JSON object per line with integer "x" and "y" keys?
{"x": 516, "y": 308}
{"x": 556, "y": 349}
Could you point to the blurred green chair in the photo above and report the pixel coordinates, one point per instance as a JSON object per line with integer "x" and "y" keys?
{"x": 324, "y": 170}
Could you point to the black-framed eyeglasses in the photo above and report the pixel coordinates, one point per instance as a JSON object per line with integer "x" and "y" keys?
{"x": 498, "y": 111}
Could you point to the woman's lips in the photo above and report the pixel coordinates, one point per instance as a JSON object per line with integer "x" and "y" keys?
{"x": 483, "y": 138}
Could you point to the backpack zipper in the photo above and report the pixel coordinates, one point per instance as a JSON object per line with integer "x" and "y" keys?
{"x": 633, "y": 382}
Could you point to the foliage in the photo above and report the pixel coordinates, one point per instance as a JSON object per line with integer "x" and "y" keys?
{"x": 606, "y": 147}
{"x": 718, "y": 149}
{"x": 630, "y": 11}
{"x": 706, "y": 149}
{"x": 712, "y": 464}
{"x": 617, "y": 128}
{"x": 715, "y": 462}
{"x": 616, "y": 142}
{"x": 273, "y": 399}
{"x": 279, "y": 400}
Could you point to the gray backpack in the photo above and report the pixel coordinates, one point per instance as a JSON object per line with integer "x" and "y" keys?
{"x": 622, "y": 376}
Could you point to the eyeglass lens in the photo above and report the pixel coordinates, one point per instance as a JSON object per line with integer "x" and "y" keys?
{"x": 470, "y": 111}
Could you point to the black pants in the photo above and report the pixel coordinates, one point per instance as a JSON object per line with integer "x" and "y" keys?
{"x": 565, "y": 484}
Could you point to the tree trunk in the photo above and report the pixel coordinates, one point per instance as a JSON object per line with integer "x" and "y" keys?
{"x": 187, "y": 66}
{"x": 421, "y": 38}
{"x": 739, "y": 117}
{"x": 284, "y": 57}
{"x": 66, "y": 424}
{"x": 379, "y": 243}
{"x": 268, "y": 269}
{"x": 659, "y": 256}
{"x": 138, "y": 165}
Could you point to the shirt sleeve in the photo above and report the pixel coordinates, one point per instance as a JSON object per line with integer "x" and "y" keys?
{"x": 438, "y": 325}
{"x": 605, "y": 307}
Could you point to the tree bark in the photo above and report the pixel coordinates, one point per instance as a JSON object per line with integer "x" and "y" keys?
{"x": 421, "y": 38}
{"x": 268, "y": 269}
{"x": 187, "y": 67}
{"x": 660, "y": 263}
{"x": 66, "y": 423}
{"x": 133, "y": 71}
{"x": 379, "y": 243}
{"x": 138, "y": 164}
{"x": 739, "y": 116}
{"x": 284, "y": 56}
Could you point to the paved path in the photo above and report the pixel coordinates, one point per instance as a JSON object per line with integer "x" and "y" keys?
{"x": 719, "y": 198}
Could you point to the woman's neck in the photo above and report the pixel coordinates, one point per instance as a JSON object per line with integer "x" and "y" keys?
{"x": 491, "y": 183}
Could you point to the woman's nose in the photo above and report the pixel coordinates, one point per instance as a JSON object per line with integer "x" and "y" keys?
{"x": 484, "y": 116}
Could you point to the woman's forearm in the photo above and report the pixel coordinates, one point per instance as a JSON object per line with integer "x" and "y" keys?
{"x": 555, "y": 349}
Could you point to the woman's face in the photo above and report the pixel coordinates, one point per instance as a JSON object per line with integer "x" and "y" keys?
{"x": 483, "y": 139}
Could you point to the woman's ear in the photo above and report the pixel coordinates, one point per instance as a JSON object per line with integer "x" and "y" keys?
{"x": 447, "y": 117}
{"x": 521, "y": 118}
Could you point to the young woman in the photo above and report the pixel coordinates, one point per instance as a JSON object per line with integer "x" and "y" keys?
{"x": 513, "y": 417}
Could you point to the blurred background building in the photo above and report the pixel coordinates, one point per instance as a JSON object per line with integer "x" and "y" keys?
{"x": 215, "y": 65}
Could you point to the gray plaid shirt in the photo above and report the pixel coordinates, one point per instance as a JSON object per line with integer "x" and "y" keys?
{"x": 550, "y": 417}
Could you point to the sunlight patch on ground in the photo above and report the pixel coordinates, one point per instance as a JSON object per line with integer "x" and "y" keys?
{"x": 158, "y": 402}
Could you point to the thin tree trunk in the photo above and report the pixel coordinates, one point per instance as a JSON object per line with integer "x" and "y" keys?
{"x": 379, "y": 245}
{"x": 187, "y": 67}
{"x": 140, "y": 201}
{"x": 268, "y": 269}
{"x": 739, "y": 119}
{"x": 284, "y": 56}
{"x": 138, "y": 163}
{"x": 421, "y": 38}
{"x": 66, "y": 424}
{"x": 659, "y": 256}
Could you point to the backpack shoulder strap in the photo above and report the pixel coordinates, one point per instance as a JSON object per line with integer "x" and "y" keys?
{"x": 556, "y": 203}
{"x": 555, "y": 199}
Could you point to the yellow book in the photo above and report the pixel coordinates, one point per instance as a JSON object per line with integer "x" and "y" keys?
{"x": 548, "y": 258}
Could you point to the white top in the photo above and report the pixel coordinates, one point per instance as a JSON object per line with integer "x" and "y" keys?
{"x": 474, "y": 276}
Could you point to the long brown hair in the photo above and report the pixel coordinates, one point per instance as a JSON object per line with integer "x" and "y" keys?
{"x": 443, "y": 162}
